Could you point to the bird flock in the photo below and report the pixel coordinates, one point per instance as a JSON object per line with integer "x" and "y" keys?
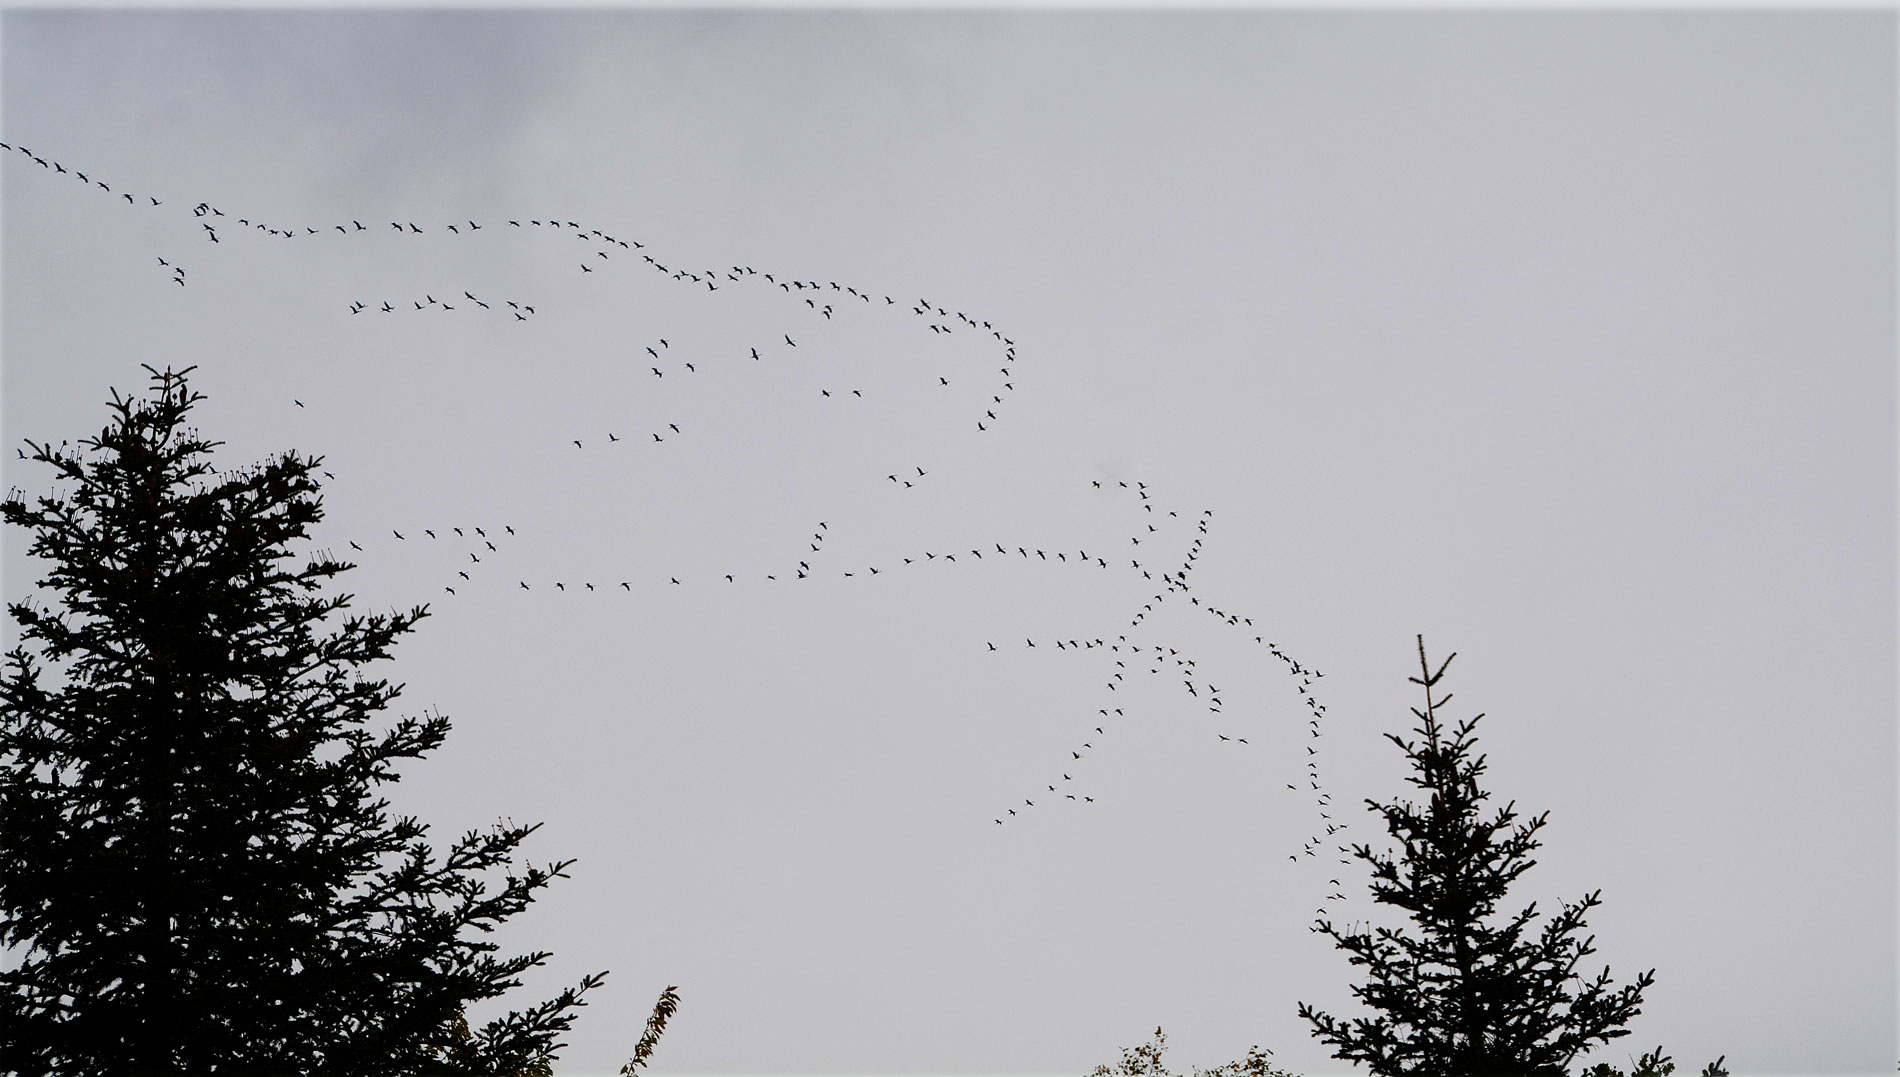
{"x": 1163, "y": 547}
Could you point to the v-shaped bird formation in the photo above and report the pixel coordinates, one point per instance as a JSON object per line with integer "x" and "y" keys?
{"x": 960, "y": 365}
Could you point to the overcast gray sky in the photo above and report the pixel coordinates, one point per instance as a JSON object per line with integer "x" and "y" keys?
{"x": 1566, "y": 340}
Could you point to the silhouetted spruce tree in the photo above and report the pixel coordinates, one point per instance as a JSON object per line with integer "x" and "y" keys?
{"x": 194, "y": 877}
{"x": 1464, "y": 997}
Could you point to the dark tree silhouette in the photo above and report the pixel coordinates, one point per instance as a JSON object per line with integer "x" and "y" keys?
{"x": 193, "y": 875}
{"x": 1145, "y": 1061}
{"x": 663, "y": 1011}
{"x": 1653, "y": 1064}
{"x": 1462, "y": 997}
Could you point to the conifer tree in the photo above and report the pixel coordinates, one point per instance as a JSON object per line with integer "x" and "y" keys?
{"x": 195, "y": 874}
{"x": 1465, "y": 996}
